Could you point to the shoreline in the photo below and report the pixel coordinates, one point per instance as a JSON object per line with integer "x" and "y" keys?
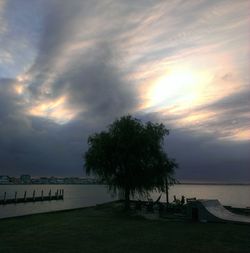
{"x": 239, "y": 210}
{"x": 179, "y": 183}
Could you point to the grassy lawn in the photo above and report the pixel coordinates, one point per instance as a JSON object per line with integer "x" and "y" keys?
{"x": 107, "y": 229}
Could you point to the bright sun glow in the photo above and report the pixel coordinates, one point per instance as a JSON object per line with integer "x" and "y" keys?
{"x": 178, "y": 86}
{"x": 171, "y": 85}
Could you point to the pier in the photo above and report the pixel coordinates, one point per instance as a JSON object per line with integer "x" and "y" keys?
{"x": 58, "y": 195}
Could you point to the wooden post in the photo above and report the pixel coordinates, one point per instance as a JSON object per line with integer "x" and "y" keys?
{"x": 4, "y": 197}
{"x": 56, "y": 194}
{"x": 42, "y": 195}
{"x": 24, "y": 196}
{"x": 50, "y": 194}
{"x": 62, "y": 193}
{"x": 15, "y": 197}
{"x": 34, "y": 193}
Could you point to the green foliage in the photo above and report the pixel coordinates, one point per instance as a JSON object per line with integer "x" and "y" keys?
{"x": 130, "y": 157}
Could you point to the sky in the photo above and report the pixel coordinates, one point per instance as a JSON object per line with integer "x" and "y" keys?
{"x": 69, "y": 68}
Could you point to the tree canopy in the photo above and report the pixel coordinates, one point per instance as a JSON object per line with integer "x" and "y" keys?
{"x": 129, "y": 157}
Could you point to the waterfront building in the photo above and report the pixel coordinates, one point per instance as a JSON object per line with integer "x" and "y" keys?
{"x": 25, "y": 179}
{"x": 4, "y": 179}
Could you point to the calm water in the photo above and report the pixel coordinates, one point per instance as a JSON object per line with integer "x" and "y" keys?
{"x": 76, "y": 196}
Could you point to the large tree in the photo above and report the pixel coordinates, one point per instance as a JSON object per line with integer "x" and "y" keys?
{"x": 130, "y": 158}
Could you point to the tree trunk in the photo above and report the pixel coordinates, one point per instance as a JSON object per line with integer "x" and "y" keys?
{"x": 127, "y": 199}
{"x": 167, "y": 199}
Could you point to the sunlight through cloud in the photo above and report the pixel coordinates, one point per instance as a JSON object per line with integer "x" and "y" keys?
{"x": 180, "y": 86}
{"x": 56, "y": 110}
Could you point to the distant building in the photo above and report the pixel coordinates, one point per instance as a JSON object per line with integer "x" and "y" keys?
{"x": 4, "y": 179}
{"x": 25, "y": 179}
{"x": 60, "y": 180}
{"x": 15, "y": 180}
{"x": 35, "y": 180}
{"x": 44, "y": 180}
{"x": 52, "y": 180}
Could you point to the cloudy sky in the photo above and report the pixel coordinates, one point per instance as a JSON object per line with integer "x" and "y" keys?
{"x": 69, "y": 68}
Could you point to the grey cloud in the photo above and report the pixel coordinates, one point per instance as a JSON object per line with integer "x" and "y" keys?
{"x": 92, "y": 81}
{"x": 30, "y": 144}
{"x": 233, "y": 112}
{"x": 19, "y": 40}
{"x": 98, "y": 86}
{"x": 39, "y": 148}
{"x": 236, "y": 101}
{"x": 10, "y": 104}
{"x": 205, "y": 158}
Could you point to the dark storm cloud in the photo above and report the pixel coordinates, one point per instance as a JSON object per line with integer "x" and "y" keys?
{"x": 204, "y": 158}
{"x": 39, "y": 147}
{"x": 33, "y": 145}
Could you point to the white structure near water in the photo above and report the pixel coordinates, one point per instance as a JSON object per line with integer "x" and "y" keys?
{"x": 213, "y": 211}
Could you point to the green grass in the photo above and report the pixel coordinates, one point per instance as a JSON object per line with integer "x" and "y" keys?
{"x": 106, "y": 229}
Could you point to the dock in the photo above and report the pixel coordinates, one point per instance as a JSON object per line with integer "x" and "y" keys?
{"x": 58, "y": 195}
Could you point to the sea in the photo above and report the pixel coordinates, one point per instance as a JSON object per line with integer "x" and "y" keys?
{"x": 78, "y": 196}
